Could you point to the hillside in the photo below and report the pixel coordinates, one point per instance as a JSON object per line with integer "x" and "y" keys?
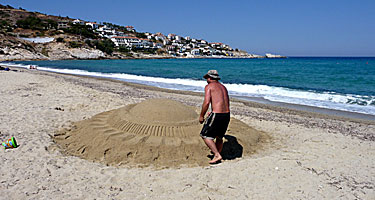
{"x": 36, "y": 36}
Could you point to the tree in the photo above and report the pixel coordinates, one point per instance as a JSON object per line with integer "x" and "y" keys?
{"x": 75, "y": 44}
{"x": 30, "y": 22}
{"x": 123, "y": 49}
{"x": 140, "y": 35}
{"x": 3, "y": 23}
{"x": 51, "y": 24}
{"x": 60, "y": 39}
{"x": 83, "y": 30}
{"x": 6, "y": 7}
{"x": 105, "y": 45}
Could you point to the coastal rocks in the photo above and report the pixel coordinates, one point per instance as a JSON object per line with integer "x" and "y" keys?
{"x": 58, "y": 54}
{"x": 87, "y": 53}
{"x": 61, "y": 52}
{"x": 8, "y": 54}
{"x": 14, "y": 49}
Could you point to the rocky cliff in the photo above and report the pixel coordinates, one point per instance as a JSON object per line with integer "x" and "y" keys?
{"x": 12, "y": 48}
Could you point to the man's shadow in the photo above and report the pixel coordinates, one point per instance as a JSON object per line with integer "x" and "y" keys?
{"x": 231, "y": 148}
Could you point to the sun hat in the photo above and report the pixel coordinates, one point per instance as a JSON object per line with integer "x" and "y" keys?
{"x": 212, "y": 74}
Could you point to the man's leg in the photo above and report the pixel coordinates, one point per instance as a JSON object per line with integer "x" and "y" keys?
{"x": 211, "y": 144}
{"x": 219, "y": 144}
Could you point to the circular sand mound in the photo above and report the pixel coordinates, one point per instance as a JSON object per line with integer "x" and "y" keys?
{"x": 158, "y": 132}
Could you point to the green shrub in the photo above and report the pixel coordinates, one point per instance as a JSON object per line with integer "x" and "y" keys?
{"x": 123, "y": 49}
{"x": 128, "y": 54}
{"x": 4, "y": 14}
{"x": 45, "y": 52}
{"x": 3, "y": 24}
{"x": 145, "y": 51}
{"x": 30, "y": 22}
{"x": 6, "y": 7}
{"x": 88, "y": 42}
{"x": 75, "y": 44}
{"x": 9, "y": 29}
{"x": 105, "y": 45}
{"x": 60, "y": 39}
{"x": 51, "y": 24}
{"x": 39, "y": 34}
{"x": 35, "y": 23}
{"x": 82, "y": 30}
{"x": 140, "y": 35}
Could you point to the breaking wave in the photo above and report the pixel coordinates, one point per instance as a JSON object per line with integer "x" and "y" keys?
{"x": 331, "y": 100}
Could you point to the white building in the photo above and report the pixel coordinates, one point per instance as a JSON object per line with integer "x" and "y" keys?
{"x": 219, "y": 45}
{"x": 195, "y": 52}
{"x": 171, "y": 36}
{"x": 93, "y": 25}
{"x": 132, "y": 42}
{"x": 158, "y": 45}
{"x": 160, "y": 37}
{"x": 104, "y": 31}
{"x": 145, "y": 43}
{"x": 77, "y": 21}
{"x": 125, "y": 41}
{"x": 62, "y": 24}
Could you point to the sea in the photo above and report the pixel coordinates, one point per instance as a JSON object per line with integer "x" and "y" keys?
{"x": 334, "y": 83}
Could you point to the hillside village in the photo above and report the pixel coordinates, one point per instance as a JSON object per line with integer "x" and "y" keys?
{"x": 33, "y": 36}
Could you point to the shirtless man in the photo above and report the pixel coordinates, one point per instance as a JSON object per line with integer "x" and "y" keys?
{"x": 217, "y": 121}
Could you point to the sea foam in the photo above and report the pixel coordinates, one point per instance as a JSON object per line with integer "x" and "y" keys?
{"x": 330, "y": 100}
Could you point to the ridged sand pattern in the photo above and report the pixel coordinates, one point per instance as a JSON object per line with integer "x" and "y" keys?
{"x": 158, "y": 132}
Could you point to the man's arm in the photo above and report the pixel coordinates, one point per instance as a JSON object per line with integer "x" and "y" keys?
{"x": 206, "y": 103}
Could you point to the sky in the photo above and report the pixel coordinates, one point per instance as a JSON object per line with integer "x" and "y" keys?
{"x": 286, "y": 27}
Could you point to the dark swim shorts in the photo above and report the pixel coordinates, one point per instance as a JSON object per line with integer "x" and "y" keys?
{"x": 215, "y": 125}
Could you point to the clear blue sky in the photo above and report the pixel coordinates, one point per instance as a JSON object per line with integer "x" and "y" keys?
{"x": 287, "y": 27}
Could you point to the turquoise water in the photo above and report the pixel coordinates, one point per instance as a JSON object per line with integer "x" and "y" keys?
{"x": 336, "y": 83}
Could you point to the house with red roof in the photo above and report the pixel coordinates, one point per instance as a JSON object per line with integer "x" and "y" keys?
{"x": 130, "y": 28}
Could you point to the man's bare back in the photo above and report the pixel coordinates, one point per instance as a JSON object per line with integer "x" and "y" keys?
{"x": 219, "y": 97}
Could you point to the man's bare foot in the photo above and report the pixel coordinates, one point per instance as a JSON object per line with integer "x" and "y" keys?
{"x": 216, "y": 159}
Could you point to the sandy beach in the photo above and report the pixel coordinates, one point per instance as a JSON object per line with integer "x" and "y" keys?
{"x": 308, "y": 155}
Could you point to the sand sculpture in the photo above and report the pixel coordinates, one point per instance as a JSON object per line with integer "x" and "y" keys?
{"x": 157, "y": 132}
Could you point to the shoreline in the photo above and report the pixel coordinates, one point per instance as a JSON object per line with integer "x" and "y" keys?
{"x": 309, "y": 155}
{"x": 289, "y": 115}
{"x": 262, "y": 103}
{"x": 273, "y": 105}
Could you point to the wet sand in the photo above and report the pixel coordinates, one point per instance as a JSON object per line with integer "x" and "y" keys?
{"x": 310, "y": 156}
